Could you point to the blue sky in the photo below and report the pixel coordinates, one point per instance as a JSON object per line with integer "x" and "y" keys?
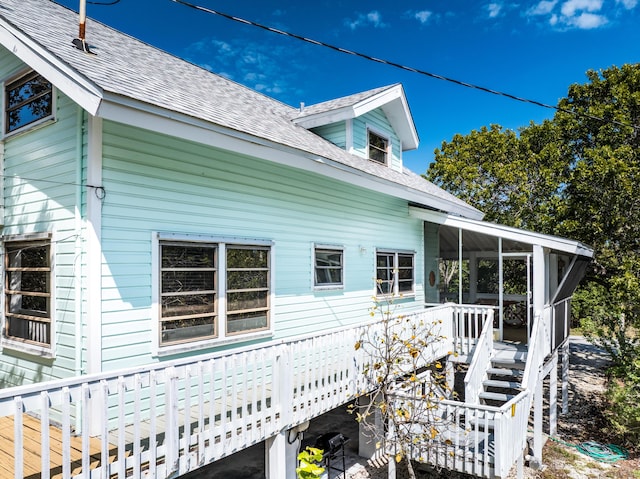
{"x": 531, "y": 49}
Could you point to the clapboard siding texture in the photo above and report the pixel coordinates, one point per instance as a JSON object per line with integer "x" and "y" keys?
{"x": 377, "y": 121}
{"x": 156, "y": 183}
{"x": 39, "y": 189}
{"x": 336, "y": 133}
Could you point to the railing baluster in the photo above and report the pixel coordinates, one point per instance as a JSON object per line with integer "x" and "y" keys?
{"x": 45, "y": 451}
{"x": 18, "y": 467}
{"x": 153, "y": 432}
{"x": 137, "y": 422}
{"x": 122, "y": 465}
{"x": 201, "y": 415}
{"x": 86, "y": 428}
{"x": 66, "y": 432}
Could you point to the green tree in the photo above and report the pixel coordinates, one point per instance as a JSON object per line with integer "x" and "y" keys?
{"x": 576, "y": 175}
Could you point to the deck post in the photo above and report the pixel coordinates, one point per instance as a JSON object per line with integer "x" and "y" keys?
{"x": 537, "y": 420}
{"x": 280, "y": 457}
{"x": 368, "y": 431}
{"x": 565, "y": 377}
{"x": 553, "y": 394}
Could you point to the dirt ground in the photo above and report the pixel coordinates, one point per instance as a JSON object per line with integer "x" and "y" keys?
{"x": 584, "y": 422}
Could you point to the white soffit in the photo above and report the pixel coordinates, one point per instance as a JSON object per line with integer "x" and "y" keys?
{"x": 501, "y": 231}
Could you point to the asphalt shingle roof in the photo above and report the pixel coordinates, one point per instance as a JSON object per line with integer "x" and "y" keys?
{"x": 128, "y": 67}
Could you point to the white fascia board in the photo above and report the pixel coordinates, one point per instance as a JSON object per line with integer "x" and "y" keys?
{"x": 506, "y": 232}
{"x": 392, "y": 101}
{"x": 145, "y": 116}
{"x": 326, "y": 117}
{"x": 81, "y": 90}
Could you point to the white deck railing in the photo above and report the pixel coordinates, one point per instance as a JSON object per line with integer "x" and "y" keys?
{"x": 468, "y": 321}
{"x": 477, "y": 372}
{"x": 171, "y": 418}
{"x": 473, "y": 438}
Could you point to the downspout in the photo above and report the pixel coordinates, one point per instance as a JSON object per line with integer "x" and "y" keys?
{"x": 77, "y": 262}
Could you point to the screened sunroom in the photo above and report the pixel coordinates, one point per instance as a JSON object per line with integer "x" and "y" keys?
{"x": 516, "y": 272}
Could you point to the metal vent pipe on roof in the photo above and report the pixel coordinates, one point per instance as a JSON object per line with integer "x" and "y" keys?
{"x": 80, "y": 42}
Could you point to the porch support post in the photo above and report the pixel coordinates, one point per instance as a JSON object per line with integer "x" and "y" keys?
{"x": 280, "y": 457}
{"x": 565, "y": 377}
{"x": 368, "y": 430}
{"x": 553, "y": 395}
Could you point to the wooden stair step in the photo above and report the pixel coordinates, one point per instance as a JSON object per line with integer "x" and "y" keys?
{"x": 510, "y": 372}
{"x": 489, "y": 396}
{"x": 495, "y": 383}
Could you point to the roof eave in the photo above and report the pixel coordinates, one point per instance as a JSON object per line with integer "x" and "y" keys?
{"x": 77, "y": 87}
{"x": 506, "y": 232}
{"x": 392, "y": 101}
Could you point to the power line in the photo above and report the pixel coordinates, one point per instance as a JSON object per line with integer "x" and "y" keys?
{"x": 402, "y": 67}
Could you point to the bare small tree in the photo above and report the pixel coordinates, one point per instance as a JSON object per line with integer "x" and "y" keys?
{"x": 405, "y": 383}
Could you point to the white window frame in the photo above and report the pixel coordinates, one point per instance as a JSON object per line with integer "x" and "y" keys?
{"x": 395, "y": 290}
{"x": 34, "y": 124}
{"x": 41, "y": 350}
{"x": 387, "y": 151}
{"x": 327, "y": 286}
{"x": 222, "y": 337}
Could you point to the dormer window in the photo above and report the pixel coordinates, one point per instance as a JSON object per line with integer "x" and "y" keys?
{"x": 28, "y": 100}
{"x": 378, "y": 147}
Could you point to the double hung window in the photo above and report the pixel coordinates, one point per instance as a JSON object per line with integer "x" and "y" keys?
{"x": 27, "y": 292}
{"x": 328, "y": 267}
{"x": 378, "y": 147}
{"x": 212, "y": 290}
{"x": 394, "y": 272}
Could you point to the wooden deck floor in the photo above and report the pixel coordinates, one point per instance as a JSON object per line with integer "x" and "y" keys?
{"x": 32, "y": 458}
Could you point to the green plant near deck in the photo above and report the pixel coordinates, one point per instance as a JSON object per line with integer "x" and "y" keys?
{"x": 308, "y": 463}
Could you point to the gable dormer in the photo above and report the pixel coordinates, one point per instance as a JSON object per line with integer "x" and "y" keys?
{"x": 375, "y": 124}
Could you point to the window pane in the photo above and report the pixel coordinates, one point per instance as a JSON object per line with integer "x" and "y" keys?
{"x": 328, "y": 276}
{"x": 188, "y": 256}
{"x": 246, "y": 322}
{"x": 180, "y": 281}
{"x": 405, "y": 261}
{"x": 27, "y": 100}
{"x": 328, "y": 258}
{"x": 246, "y": 300}
{"x": 185, "y": 305}
{"x": 247, "y": 279}
{"x": 187, "y": 329}
{"x": 328, "y": 267}
{"x": 247, "y": 258}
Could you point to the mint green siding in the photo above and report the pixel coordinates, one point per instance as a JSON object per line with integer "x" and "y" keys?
{"x": 336, "y": 133}
{"x": 378, "y": 122}
{"x": 158, "y": 183}
{"x": 40, "y": 196}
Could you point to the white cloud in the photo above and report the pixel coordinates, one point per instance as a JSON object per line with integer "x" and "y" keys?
{"x": 494, "y": 9}
{"x": 423, "y": 16}
{"x": 571, "y": 7}
{"x": 545, "y": 7}
{"x": 265, "y": 67}
{"x": 628, "y": 4}
{"x": 587, "y": 21}
{"x": 372, "y": 18}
